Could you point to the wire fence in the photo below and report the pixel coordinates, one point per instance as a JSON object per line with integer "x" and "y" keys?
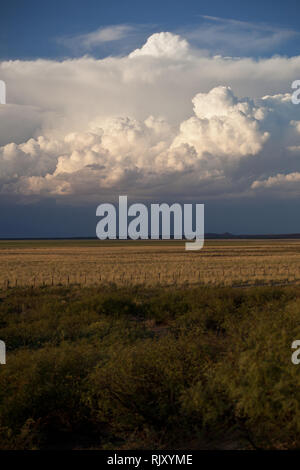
{"x": 217, "y": 277}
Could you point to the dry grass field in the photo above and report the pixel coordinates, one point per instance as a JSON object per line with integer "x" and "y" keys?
{"x": 89, "y": 262}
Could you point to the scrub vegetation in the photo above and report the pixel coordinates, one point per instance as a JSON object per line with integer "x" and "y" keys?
{"x": 108, "y": 367}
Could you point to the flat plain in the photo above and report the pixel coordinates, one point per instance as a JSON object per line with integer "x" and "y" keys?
{"x": 137, "y": 347}
{"x": 149, "y": 263}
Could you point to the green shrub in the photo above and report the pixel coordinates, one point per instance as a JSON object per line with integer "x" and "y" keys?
{"x": 149, "y": 368}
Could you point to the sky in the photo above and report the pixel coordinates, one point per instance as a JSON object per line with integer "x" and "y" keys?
{"x": 163, "y": 101}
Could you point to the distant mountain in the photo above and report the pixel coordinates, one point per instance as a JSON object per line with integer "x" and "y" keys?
{"x": 227, "y": 235}
{"x": 208, "y": 236}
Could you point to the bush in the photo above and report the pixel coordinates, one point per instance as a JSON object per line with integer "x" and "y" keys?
{"x": 149, "y": 368}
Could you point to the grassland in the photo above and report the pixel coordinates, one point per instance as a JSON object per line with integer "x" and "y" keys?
{"x": 89, "y": 262}
{"x": 139, "y": 345}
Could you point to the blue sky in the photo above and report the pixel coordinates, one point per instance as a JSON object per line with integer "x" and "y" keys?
{"x": 163, "y": 101}
{"x": 32, "y": 29}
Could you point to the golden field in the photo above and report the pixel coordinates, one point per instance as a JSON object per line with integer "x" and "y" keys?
{"x": 91, "y": 262}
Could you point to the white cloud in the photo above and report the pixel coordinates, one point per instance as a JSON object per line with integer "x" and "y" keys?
{"x": 20, "y": 122}
{"x": 100, "y": 36}
{"x": 110, "y": 33}
{"x": 164, "y": 120}
{"x": 230, "y": 36}
{"x": 222, "y": 125}
{"x": 281, "y": 181}
{"x": 165, "y": 44}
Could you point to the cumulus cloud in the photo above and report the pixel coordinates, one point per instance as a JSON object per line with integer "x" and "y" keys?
{"x": 286, "y": 182}
{"x": 163, "y": 44}
{"x": 164, "y": 120}
{"x": 223, "y": 125}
